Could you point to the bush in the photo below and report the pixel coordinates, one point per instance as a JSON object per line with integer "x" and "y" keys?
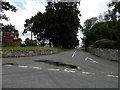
{"x": 105, "y": 43}
{"x": 23, "y": 45}
{"x": 118, "y": 45}
{"x": 10, "y": 44}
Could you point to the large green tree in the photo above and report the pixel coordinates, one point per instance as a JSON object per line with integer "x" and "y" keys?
{"x": 59, "y": 24}
{"x": 114, "y": 15}
{"x": 109, "y": 28}
{"x": 88, "y": 24}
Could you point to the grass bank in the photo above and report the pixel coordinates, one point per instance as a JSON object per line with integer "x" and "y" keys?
{"x": 35, "y": 48}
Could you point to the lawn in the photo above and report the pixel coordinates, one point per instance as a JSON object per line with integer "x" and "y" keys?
{"x": 34, "y": 48}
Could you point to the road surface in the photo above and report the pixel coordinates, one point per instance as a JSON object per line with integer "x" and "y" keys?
{"x": 70, "y": 69}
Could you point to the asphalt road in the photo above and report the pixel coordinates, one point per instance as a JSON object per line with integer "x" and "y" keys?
{"x": 70, "y": 69}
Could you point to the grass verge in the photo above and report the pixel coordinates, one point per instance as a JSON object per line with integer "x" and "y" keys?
{"x": 35, "y": 48}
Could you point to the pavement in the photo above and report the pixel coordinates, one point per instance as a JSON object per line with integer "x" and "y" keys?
{"x": 70, "y": 69}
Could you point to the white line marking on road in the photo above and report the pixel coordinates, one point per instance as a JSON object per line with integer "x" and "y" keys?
{"x": 36, "y": 67}
{"x": 69, "y": 70}
{"x": 8, "y": 65}
{"x": 78, "y": 67}
{"x": 23, "y": 66}
{"x": 107, "y": 72}
{"x": 91, "y": 60}
{"x": 94, "y": 62}
{"x": 73, "y": 69}
{"x": 73, "y": 54}
{"x": 86, "y": 58}
{"x": 54, "y": 69}
{"x": 112, "y": 76}
{"x": 87, "y": 73}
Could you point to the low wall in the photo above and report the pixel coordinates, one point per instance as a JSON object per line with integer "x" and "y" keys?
{"x": 19, "y": 53}
{"x": 106, "y": 54}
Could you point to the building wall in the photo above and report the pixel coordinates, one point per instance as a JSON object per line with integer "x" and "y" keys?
{"x": 9, "y": 37}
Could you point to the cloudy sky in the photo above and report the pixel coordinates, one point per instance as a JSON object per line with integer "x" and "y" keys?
{"x": 28, "y": 8}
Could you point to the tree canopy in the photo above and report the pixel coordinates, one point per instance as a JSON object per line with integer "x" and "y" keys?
{"x": 9, "y": 28}
{"x": 59, "y": 24}
{"x": 108, "y": 29}
{"x": 6, "y": 6}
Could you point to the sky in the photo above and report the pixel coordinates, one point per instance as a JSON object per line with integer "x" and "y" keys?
{"x": 28, "y": 8}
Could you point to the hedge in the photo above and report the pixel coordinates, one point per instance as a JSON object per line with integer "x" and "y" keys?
{"x": 105, "y": 43}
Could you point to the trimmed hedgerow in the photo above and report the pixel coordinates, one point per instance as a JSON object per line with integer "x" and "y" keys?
{"x": 105, "y": 43}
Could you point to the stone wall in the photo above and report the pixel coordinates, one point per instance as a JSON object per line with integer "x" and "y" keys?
{"x": 106, "y": 54}
{"x": 19, "y": 53}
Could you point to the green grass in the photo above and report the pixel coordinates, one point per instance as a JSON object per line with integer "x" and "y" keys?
{"x": 34, "y": 48}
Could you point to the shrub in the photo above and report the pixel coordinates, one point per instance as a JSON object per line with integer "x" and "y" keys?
{"x": 105, "y": 43}
{"x": 23, "y": 45}
{"x": 9, "y": 44}
{"x": 118, "y": 45}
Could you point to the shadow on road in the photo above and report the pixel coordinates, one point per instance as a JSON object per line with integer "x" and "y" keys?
{"x": 58, "y": 63}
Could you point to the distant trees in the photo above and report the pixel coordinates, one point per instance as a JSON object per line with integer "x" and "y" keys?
{"x": 96, "y": 30}
{"x": 59, "y": 24}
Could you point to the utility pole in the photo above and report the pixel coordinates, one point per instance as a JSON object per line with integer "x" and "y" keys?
{"x": 31, "y": 25}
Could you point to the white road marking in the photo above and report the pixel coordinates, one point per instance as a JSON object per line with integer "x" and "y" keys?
{"x": 36, "y": 67}
{"x": 86, "y": 58}
{"x": 23, "y": 66}
{"x": 69, "y": 70}
{"x": 112, "y": 76}
{"x": 94, "y": 62}
{"x": 91, "y": 60}
{"x": 87, "y": 73}
{"x": 78, "y": 67}
{"x": 8, "y": 65}
{"x": 73, "y": 69}
{"x": 73, "y": 54}
{"x": 107, "y": 72}
{"x": 54, "y": 69}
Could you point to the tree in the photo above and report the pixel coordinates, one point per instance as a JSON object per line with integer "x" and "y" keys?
{"x": 88, "y": 24}
{"x": 107, "y": 28}
{"x": 9, "y": 28}
{"x": 112, "y": 14}
{"x": 101, "y": 30}
{"x": 36, "y": 25}
{"x": 59, "y": 24}
{"x": 6, "y": 6}
{"x": 66, "y": 23}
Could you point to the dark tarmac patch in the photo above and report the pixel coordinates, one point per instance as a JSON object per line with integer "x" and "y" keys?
{"x": 58, "y": 64}
{"x": 12, "y": 64}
